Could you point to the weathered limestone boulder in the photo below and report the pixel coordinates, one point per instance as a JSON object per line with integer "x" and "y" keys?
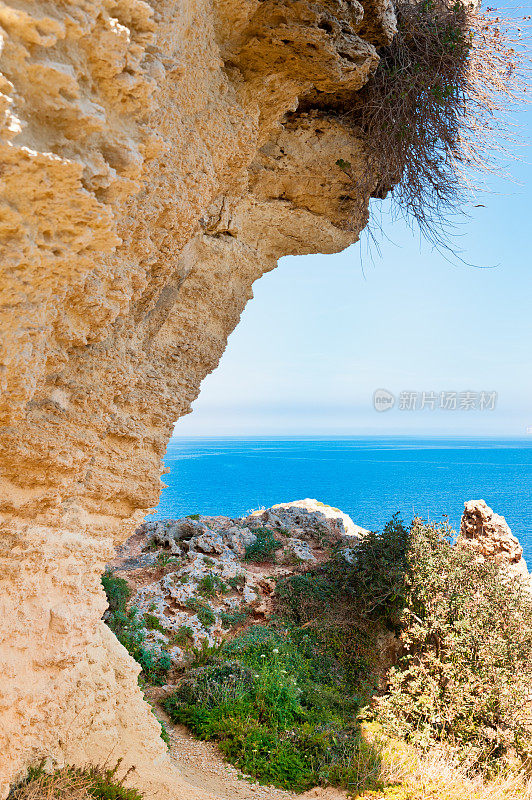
{"x": 156, "y": 161}
{"x": 310, "y": 516}
{"x": 490, "y": 537}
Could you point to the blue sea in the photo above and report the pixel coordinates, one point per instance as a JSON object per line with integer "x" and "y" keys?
{"x": 369, "y": 478}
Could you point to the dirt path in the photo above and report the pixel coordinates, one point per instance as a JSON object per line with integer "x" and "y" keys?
{"x": 202, "y": 766}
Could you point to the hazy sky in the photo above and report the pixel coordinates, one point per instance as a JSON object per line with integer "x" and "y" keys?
{"x": 324, "y": 332}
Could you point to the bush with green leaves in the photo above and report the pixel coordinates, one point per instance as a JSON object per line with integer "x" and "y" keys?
{"x": 153, "y": 623}
{"x": 264, "y": 547}
{"x": 130, "y": 630}
{"x": 236, "y": 582}
{"x": 211, "y": 585}
{"x": 466, "y": 668}
{"x": 183, "y": 637}
{"x": 232, "y": 619}
{"x": 116, "y": 590}
{"x": 202, "y": 610}
{"x": 282, "y": 707}
{"x": 366, "y": 582}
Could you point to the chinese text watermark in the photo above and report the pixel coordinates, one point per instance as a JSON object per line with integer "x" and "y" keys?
{"x": 384, "y": 400}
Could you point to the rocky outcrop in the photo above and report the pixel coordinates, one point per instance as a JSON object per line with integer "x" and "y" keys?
{"x": 179, "y": 569}
{"x": 490, "y": 538}
{"x": 155, "y": 163}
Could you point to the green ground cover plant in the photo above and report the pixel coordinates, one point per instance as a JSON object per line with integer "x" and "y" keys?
{"x": 153, "y": 623}
{"x": 282, "y": 707}
{"x": 203, "y": 611}
{"x": 116, "y": 590}
{"x": 263, "y": 549}
{"x": 211, "y": 585}
{"x": 130, "y": 629}
{"x": 233, "y": 619}
{"x": 183, "y": 637}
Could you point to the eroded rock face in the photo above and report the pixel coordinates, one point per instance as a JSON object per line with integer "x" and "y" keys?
{"x": 490, "y": 537}
{"x": 150, "y": 174}
{"x": 204, "y": 560}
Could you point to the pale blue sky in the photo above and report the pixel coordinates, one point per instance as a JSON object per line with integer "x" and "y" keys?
{"x": 323, "y": 332}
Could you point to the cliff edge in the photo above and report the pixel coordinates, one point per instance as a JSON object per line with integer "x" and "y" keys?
{"x": 154, "y": 165}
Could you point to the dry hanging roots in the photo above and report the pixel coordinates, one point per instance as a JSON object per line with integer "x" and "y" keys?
{"x": 436, "y": 111}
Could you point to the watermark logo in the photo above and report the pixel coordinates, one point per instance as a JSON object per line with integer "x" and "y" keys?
{"x": 383, "y": 400}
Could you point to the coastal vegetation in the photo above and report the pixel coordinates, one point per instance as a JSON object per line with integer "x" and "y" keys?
{"x": 264, "y": 547}
{"x": 406, "y": 638}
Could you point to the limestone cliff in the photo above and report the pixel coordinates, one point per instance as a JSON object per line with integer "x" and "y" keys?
{"x": 153, "y": 165}
{"x": 489, "y": 537}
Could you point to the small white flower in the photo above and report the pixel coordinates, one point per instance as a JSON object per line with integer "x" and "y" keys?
{"x": 263, "y": 656}
{"x": 275, "y": 650}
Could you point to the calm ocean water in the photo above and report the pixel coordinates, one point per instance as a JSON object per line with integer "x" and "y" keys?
{"x": 369, "y": 478}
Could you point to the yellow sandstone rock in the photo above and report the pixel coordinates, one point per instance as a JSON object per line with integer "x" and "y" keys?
{"x": 156, "y": 159}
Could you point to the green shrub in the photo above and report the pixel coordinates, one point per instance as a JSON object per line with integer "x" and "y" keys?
{"x": 153, "y": 623}
{"x": 211, "y": 585}
{"x": 233, "y": 619}
{"x": 155, "y": 665}
{"x": 206, "y": 654}
{"x": 305, "y": 597}
{"x": 281, "y": 707}
{"x": 165, "y": 559}
{"x": 367, "y": 583}
{"x": 264, "y": 547}
{"x": 203, "y": 611}
{"x": 130, "y": 631}
{"x": 183, "y": 637}
{"x": 374, "y": 577}
{"x": 236, "y": 582}
{"x": 466, "y": 633}
{"x": 116, "y": 590}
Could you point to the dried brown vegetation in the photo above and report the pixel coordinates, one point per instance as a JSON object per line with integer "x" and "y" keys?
{"x": 94, "y": 782}
{"x": 436, "y": 112}
{"x": 64, "y": 785}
